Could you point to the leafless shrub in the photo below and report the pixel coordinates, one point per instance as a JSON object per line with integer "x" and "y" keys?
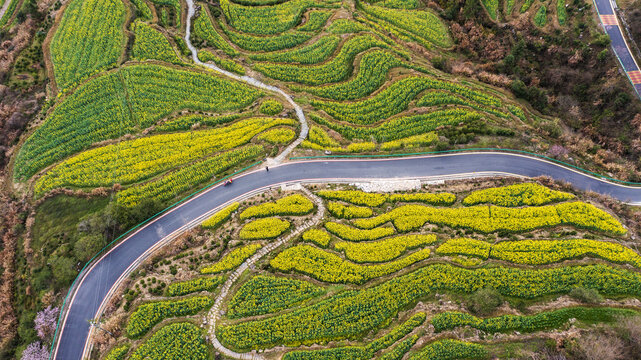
{"x": 630, "y": 328}
{"x": 596, "y": 346}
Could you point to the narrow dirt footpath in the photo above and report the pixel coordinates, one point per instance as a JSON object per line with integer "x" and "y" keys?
{"x": 251, "y": 81}
{"x": 214, "y": 313}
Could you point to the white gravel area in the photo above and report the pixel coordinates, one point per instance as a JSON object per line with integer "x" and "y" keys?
{"x": 389, "y": 185}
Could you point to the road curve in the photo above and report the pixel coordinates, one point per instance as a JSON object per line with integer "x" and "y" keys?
{"x": 101, "y": 277}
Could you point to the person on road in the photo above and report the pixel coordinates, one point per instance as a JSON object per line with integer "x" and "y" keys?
{"x": 267, "y": 168}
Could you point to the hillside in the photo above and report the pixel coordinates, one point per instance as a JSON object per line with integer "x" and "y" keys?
{"x": 110, "y": 114}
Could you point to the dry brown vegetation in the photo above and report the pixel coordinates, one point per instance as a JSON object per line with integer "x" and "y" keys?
{"x": 9, "y": 231}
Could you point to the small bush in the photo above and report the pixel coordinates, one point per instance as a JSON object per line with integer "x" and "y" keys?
{"x": 441, "y": 63}
{"x": 587, "y": 296}
{"x": 484, "y": 301}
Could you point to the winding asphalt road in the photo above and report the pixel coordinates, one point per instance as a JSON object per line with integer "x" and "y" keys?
{"x": 605, "y": 9}
{"x": 97, "y": 281}
{"x": 100, "y": 278}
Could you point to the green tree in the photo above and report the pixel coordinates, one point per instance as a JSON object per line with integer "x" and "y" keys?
{"x": 88, "y": 245}
{"x": 63, "y": 269}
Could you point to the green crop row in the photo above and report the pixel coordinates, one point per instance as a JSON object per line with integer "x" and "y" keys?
{"x": 360, "y": 352}
{"x": 313, "y": 53}
{"x": 396, "y": 4}
{"x": 466, "y": 261}
{"x": 443, "y": 199}
{"x": 188, "y": 177}
{"x": 377, "y": 199}
{"x": 195, "y": 285}
{"x": 450, "y": 350}
{"x": 467, "y": 247}
{"x": 296, "y": 205}
{"x": 149, "y": 314}
{"x": 561, "y": 12}
{"x": 172, "y": 3}
{"x": 229, "y": 65}
{"x": 258, "y": 2}
{"x": 404, "y": 126}
{"x": 317, "y": 236}
{"x": 187, "y": 121}
{"x": 268, "y": 294}
{"x": 221, "y": 216}
{"x": 267, "y": 228}
{"x": 526, "y": 5}
{"x": 421, "y": 25}
{"x": 410, "y": 142}
{"x": 286, "y": 40}
{"x": 118, "y": 353}
{"x": 348, "y": 212}
{"x": 542, "y": 321}
{"x": 281, "y": 136}
{"x": 372, "y": 74}
{"x": 489, "y": 219}
{"x": 89, "y": 38}
{"x": 99, "y": 110}
{"x": 154, "y": 92}
{"x": 357, "y": 147}
{"x": 351, "y": 313}
{"x": 183, "y": 341}
{"x": 539, "y": 252}
{"x": 269, "y": 19}
{"x": 150, "y": 43}
{"x": 441, "y": 98}
{"x": 204, "y": 29}
{"x": 271, "y": 107}
{"x": 319, "y": 136}
{"x": 383, "y": 250}
{"x": 398, "y": 351}
{"x": 492, "y": 7}
{"x": 541, "y": 16}
{"x": 355, "y": 197}
{"x": 529, "y": 194}
{"x": 395, "y": 99}
{"x": 132, "y": 161}
{"x": 328, "y": 267}
{"x": 334, "y": 70}
{"x": 509, "y": 7}
{"x": 346, "y": 26}
{"x": 232, "y": 260}
{"x": 143, "y": 10}
{"x": 353, "y": 234}
{"x": 316, "y": 20}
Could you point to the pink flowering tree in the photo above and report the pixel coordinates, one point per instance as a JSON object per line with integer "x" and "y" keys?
{"x": 35, "y": 351}
{"x": 557, "y": 151}
{"x": 45, "y": 322}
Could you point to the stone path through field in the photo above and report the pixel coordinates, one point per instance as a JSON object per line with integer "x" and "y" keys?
{"x": 214, "y": 313}
{"x": 304, "y": 128}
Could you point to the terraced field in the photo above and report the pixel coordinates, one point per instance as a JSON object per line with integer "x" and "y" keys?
{"x": 361, "y": 283}
{"x": 150, "y": 100}
{"x": 352, "y": 72}
{"x": 349, "y": 65}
